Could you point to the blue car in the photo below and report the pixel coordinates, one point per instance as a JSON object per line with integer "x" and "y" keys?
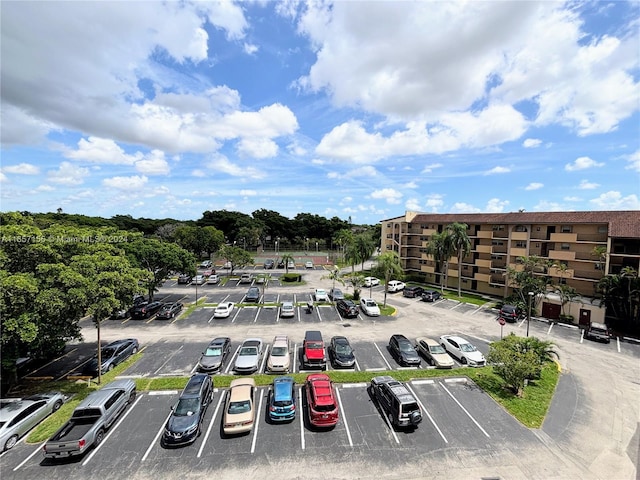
{"x": 282, "y": 401}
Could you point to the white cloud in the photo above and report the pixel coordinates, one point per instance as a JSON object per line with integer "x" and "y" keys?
{"x": 412, "y": 204}
{"x": 68, "y": 174}
{"x": 534, "y": 186}
{"x": 546, "y": 206}
{"x": 198, "y": 173}
{"x": 257, "y": 147}
{"x": 131, "y": 184}
{"x": 22, "y": 169}
{"x": 634, "y": 161}
{"x": 495, "y": 205}
{"x": 531, "y": 143}
{"x": 497, "y": 170}
{"x": 250, "y": 49}
{"x": 462, "y": 207}
{"x": 153, "y": 164}
{"x": 221, "y": 164}
{"x": 587, "y": 185}
{"x": 613, "y": 200}
{"x": 410, "y": 185}
{"x": 430, "y": 168}
{"x": 248, "y": 193}
{"x": 3, "y": 178}
{"x": 435, "y": 201}
{"x": 572, "y": 199}
{"x": 582, "y": 163}
{"x": 101, "y": 151}
{"x": 390, "y": 195}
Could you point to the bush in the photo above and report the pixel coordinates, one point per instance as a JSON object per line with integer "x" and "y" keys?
{"x": 291, "y": 277}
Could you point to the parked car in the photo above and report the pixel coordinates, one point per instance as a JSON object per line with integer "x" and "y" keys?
{"x": 282, "y": 400}
{"x": 369, "y": 307}
{"x": 19, "y": 415}
{"x": 433, "y": 352}
{"x": 184, "y": 424}
{"x": 396, "y": 401}
{"x": 213, "y": 357}
{"x": 112, "y": 355}
{"x": 207, "y": 273}
{"x": 336, "y": 294}
{"x": 199, "y": 280}
{"x": 403, "y": 351}
{"x": 246, "y": 278}
{"x": 279, "y": 361}
{"x": 145, "y": 310}
{"x": 464, "y": 351}
{"x": 308, "y": 264}
{"x": 213, "y": 279}
{"x": 598, "y": 331}
{"x": 248, "y": 359}
{"x": 510, "y": 313}
{"x": 206, "y": 264}
{"x": 90, "y": 420}
{"x": 184, "y": 279}
{"x": 340, "y": 353}
{"x": 223, "y": 310}
{"x": 322, "y": 407}
{"x": 412, "y": 291}
{"x": 313, "y": 355}
{"x": 371, "y": 281}
{"x": 347, "y": 308}
{"x": 287, "y": 310}
{"x": 320, "y": 295}
{"x": 239, "y": 408}
{"x": 253, "y": 295}
{"x": 269, "y": 263}
{"x": 170, "y": 310}
{"x": 431, "y": 296}
{"x": 395, "y": 286}
{"x": 280, "y": 263}
{"x": 291, "y": 264}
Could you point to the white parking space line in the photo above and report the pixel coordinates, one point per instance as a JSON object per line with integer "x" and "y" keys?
{"x": 456, "y": 306}
{"x": 354, "y": 385}
{"x": 155, "y": 439}
{"x": 344, "y": 417}
{"x": 465, "y": 411}
{"x": 295, "y": 356}
{"x": 617, "y": 343}
{"x": 476, "y": 310}
{"x": 581, "y": 336}
{"x": 232, "y": 361}
{"x": 194, "y": 369}
{"x": 111, "y": 430}
{"x": 54, "y": 360}
{"x": 301, "y": 418}
{"x": 236, "y": 315}
{"x": 424, "y": 409}
{"x": 393, "y": 432}
{"x": 550, "y": 327}
{"x": 357, "y": 365}
{"x": 375, "y": 369}
{"x": 264, "y": 358}
{"x": 37, "y": 450}
{"x": 167, "y": 360}
{"x": 213, "y": 421}
{"x": 384, "y": 359}
{"x": 522, "y": 322}
{"x": 256, "y": 423}
{"x": 162, "y": 392}
{"x": 422, "y": 382}
{"x": 255, "y": 319}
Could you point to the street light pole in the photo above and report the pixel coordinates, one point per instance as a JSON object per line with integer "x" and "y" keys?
{"x": 529, "y": 313}
{"x": 316, "y": 247}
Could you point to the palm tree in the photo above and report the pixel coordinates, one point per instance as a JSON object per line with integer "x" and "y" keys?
{"x": 343, "y": 238}
{"x": 460, "y": 243}
{"x": 440, "y": 249}
{"x": 334, "y": 275}
{"x": 286, "y": 258}
{"x": 389, "y": 266}
{"x": 364, "y": 247}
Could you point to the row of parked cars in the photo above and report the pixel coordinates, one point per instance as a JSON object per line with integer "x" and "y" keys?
{"x": 142, "y": 309}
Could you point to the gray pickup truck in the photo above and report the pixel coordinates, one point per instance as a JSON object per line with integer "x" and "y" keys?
{"x": 90, "y": 420}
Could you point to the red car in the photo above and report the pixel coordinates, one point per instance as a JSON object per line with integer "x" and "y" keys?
{"x": 322, "y": 407}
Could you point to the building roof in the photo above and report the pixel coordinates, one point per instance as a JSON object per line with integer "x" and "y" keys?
{"x": 622, "y": 223}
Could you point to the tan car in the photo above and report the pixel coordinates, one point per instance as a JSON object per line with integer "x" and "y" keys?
{"x": 239, "y": 408}
{"x": 279, "y": 361}
{"x": 433, "y": 352}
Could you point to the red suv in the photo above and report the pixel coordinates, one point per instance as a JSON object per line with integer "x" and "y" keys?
{"x": 313, "y": 355}
{"x": 321, "y": 400}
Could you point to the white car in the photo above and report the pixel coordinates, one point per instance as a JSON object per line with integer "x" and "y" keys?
{"x": 287, "y": 310}
{"x": 206, "y": 264}
{"x": 435, "y": 353}
{"x": 308, "y": 265}
{"x": 213, "y": 279}
{"x": 321, "y": 295}
{"x": 369, "y": 307}
{"x": 248, "y": 359}
{"x": 279, "y": 361}
{"x": 199, "y": 280}
{"x": 464, "y": 351}
{"x": 223, "y": 310}
{"x": 371, "y": 281}
{"x": 395, "y": 286}
{"x": 291, "y": 264}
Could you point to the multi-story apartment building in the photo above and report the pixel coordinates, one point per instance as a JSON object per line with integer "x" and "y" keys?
{"x": 584, "y": 246}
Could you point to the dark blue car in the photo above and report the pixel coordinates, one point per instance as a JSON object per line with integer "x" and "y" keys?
{"x": 282, "y": 401}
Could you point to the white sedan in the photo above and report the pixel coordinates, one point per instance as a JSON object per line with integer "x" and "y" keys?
{"x": 369, "y": 307}
{"x": 395, "y": 286}
{"x": 464, "y": 351}
{"x": 371, "y": 281}
{"x": 223, "y": 310}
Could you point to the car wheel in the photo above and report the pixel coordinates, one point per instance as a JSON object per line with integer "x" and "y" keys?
{"x": 99, "y": 437}
{"x": 463, "y": 360}
{"x": 56, "y": 406}
{"x": 390, "y": 418}
{"x": 132, "y": 396}
{"x": 11, "y": 442}
{"x": 134, "y": 351}
{"x": 110, "y": 367}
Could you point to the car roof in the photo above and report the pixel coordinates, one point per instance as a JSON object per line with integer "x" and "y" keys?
{"x": 280, "y": 339}
{"x": 219, "y": 341}
{"x": 427, "y": 340}
{"x": 251, "y": 342}
{"x": 12, "y": 407}
{"x": 321, "y": 385}
{"x": 340, "y": 339}
{"x": 283, "y": 388}
{"x": 456, "y": 339}
{"x": 288, "y": 304}
{"x": 400, "y": 338}
{"x": 240, "y": 389}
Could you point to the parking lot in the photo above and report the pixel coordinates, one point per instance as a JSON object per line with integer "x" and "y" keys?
{"x": 458, "y": 415}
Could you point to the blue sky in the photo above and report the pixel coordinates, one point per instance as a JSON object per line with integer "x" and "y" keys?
{"x": 348, "y": 109}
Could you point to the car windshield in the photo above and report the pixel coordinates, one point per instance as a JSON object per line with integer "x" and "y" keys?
{"x": 235, "y": 408}
{"x": 437, "y": 349}
{"x": 279, "y": 351}
{"x": 187, "y": 407}
{"x": 467, "y": 347}
{"x": 371, "y": 303}
{"x": 343, "y": 349}
{"x": 320, "y": 292}
{"x": 405, "y": 347}
{"x": 213, "y": 352}
{"x": 222, "y": 308}
{"x": 314, "y": 345}
{"x": 282, "y": 403}
{"x": 245, "y": 351}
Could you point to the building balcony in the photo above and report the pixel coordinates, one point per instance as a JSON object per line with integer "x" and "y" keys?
{"x": 497, "y": 279}
{"x": 518, "y": 252}
{"x": 483, "y": 263}
{"x": 562, "y": 255}
{"x": 519, "y": 235}
{"x": 498, "y": 249}
{"x": 555, "y": 272}
{"x": 483, "y": 249}
{"x": 564, "y": 237}
{"x": 484, "y": 234}
{"x": 588, "y": 274}
{"x": 482, "y": 277}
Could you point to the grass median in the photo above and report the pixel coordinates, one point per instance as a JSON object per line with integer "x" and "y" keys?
{"x": 530, "y": 409}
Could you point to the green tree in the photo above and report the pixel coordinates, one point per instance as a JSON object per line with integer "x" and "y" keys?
{"x": 335, "y": 276}
{"x": 530, "y": 277}
{"x": 513, "y": 362}
{"x": 356, "y": 281}
{"x": 567, "y": 295}
{"x": 389, "y": 266}
{"x": 460, "y": 244}
{"x": 440, "y": 248}
{"x": 286, "y": 258}
{"x": 363, "y": 247}
{"x": 236, "y": 256}
{"x": 620, "y": 295}
{"x": 343, "y": 238}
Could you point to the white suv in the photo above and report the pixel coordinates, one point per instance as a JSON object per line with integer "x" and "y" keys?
{"x": 395, "y": 286}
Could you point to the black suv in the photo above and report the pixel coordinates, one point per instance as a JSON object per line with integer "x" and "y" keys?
{"x": 430, "y": 296}
{"x": 145, "y": 310}
{"x": 412, "y": 291}
{"x": 598, "y": 331}
{"x": 185, "y": 422}
{"x": 253, "y": 295}
{"x": 396, "y": 401}
{"x": 510, "y": 313}
{"x": 341, "y": 353}
{"x": 184, "y": 279}
{"x": 347, "y": 308}
{"x": 268, "y": 263}
{"x": 403, "y": 351}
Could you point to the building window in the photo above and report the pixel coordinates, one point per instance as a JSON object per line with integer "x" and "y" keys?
{"x": 497, "y": 242}
{"x": 521, "y": 228}
{"x": 537, "y": 229}
{"x": 537, "y": 245}
{"x": 565, "y": 246}
{"x": 498, "y": 228}
{"x": 602, "y": 229}
{"x": 562, "y": 281}
{"x": 566, "y": 229}
{"x": 521, "y": 244}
